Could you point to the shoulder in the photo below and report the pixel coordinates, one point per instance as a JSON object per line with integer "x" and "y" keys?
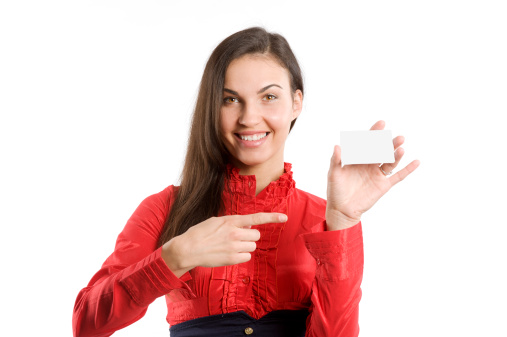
{"x": 308, "y": 208}
{"x": 157, "y": 204}
{"x": 150, "y": 216}
{"x": 302, "y": 197}
{"x": 166, "y": 196}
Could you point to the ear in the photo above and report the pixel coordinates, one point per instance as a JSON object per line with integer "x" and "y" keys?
{"x": 297, "y": 104}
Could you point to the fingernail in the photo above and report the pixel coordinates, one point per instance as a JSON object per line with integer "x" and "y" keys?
{"x": 283, "y": 218}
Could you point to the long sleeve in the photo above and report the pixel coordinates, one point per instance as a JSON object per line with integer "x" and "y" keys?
{"x": 336, "y": 291}
{"x": 132, "y": 277}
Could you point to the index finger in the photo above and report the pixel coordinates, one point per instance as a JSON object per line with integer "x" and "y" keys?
{"x": 259, "y": 219}
{"x": 379, "y": 125}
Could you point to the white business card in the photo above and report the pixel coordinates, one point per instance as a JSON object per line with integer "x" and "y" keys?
{"x": 366, "y": 147}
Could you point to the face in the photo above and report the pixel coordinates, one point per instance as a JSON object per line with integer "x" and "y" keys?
{"x": 257, "y": 110}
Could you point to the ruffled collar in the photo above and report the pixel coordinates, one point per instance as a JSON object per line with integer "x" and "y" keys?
{"x": 246, "y": 184}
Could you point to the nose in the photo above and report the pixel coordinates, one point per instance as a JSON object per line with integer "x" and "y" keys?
{"x": 250, "y": 115}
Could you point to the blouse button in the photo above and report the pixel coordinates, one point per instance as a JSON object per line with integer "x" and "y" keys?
{"x": 246, "y": 279}
{"x": 249, "y": 331}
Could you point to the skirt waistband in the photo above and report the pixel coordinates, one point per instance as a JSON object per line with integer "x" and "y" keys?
{"x": 282, "y": 323}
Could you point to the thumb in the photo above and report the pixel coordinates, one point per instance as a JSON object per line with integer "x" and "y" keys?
{"x": 336, "y": 164}
{"x": 336, "y": 159}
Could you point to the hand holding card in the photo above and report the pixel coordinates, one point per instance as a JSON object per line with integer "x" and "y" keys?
{"x": 354, "y": 189}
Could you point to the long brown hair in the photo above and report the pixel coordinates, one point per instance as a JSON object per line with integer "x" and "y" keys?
{"x": 199, "y": 196}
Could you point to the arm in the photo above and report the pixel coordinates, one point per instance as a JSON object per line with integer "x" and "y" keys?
{"x": 336, "y": 289}
{"x": 131, "y": 278}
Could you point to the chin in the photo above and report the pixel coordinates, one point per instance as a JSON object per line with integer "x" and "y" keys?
{"x": 251, "y": 160}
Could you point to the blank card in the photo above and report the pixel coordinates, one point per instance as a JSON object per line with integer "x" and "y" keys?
{"x": 366, "y": 147}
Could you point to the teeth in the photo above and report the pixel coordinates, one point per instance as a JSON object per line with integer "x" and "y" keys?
{"x": 254, "y": 137}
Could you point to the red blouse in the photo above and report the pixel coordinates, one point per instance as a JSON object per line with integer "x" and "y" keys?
{"x": 297, "y": 265}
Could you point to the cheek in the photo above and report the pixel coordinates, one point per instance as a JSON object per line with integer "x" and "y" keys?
{"x": 224, "y": 123}
{"x": 279, "y": 118}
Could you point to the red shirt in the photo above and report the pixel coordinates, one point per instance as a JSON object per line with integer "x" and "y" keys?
{"x": 297, "y": 265}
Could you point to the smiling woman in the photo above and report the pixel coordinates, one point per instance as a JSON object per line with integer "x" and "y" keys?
{"x": 238, "y": 249}
{"x": 256, "y": 119}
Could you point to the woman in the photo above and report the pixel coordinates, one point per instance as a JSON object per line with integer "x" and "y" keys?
{"x": 237, "y": 249}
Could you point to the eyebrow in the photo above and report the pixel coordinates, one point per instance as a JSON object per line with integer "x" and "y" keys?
{"x": 258, "y": 92}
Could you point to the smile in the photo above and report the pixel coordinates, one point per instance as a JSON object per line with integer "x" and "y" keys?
{"x": 253, "y": 137}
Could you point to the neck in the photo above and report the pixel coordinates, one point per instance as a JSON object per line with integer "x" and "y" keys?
{"x": 263, "y": 175}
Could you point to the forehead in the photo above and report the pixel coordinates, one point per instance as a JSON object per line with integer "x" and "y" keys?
{"x": 255, "y": 71}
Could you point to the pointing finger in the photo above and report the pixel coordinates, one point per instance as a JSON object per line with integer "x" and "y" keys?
{"x": 259, "y": 219}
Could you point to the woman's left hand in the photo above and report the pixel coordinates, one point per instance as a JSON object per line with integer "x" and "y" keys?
{"x": 354, "y": 189}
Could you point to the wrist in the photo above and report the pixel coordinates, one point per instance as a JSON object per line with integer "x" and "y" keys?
{"x": 174, "y": 257}
{"x": 338, "y": 221}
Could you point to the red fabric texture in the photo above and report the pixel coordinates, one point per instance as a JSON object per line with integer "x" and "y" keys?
{"x": 297, "y": 265}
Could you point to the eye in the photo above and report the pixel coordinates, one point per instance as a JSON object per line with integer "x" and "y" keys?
{"x": 270, "y": 97}
{"x": 230, "y": 100}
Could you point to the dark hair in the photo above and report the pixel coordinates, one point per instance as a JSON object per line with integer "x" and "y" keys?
{"x": 199, "y": 196}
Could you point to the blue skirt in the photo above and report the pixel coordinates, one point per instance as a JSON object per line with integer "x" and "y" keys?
{"x": 280, "y": 323}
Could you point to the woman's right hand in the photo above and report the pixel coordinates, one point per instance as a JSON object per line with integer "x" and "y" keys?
{"x": 217, "y": 241}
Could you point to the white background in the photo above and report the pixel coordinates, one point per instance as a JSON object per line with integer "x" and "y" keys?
{"x": 95, "y": 101}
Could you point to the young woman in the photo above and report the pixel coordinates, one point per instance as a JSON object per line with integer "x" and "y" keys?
{"x": 237, "y": 249}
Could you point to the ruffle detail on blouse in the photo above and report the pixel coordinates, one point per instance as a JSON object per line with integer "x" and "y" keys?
{"x": 241, "y": 199}
{"x": 246, "y": 184}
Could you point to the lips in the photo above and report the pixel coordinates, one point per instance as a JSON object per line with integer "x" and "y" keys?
{"x": 251, "y": 139}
